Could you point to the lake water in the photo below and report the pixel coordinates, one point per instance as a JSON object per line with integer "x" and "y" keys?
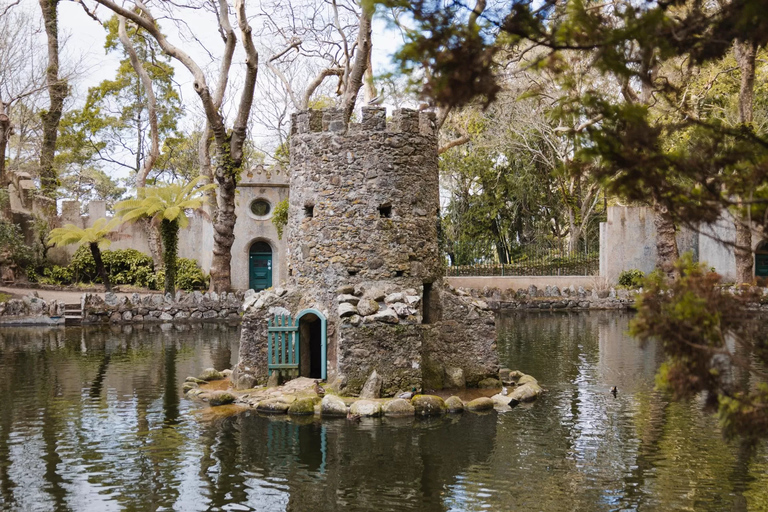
{"x": 94, "y": 419}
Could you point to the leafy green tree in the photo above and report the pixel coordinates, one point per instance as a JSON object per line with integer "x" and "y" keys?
{"x": 96, "y": 237}
{"x": 652, "y": 53}
{"x": 167, "y": 206}
{"x": 116, "y": 117}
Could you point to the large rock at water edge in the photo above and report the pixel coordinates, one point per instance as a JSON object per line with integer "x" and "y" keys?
{"x": 333, "y": 406}
{"x": 302, "y": 407}
{"x": 480, "y": 404}
{"x": 526, "y": 393}
{"x": 398, "y": 407}
{"x": 273, "y": 406}
{"x": 454, "y": 404}
{"x": 429, "y": 405}
{"x": 365, "y": 408}
{"x": 221, "y": 398}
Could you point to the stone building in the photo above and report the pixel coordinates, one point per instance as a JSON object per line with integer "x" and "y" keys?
{"x": 258, "y": 255}
{"x": 628, "y": 241}
{"x": 365, "y": 284}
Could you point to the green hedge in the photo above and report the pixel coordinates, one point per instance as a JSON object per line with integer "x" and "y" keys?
{"x": 125, "y": 267}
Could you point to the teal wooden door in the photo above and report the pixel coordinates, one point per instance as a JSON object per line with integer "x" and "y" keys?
{"x": 260, "y": 266}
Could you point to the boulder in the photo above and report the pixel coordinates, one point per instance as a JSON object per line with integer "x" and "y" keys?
{"x": 454, "y": 404}
{"x": 454, "y": 378}
{"x": 525, "y": 379}
{"x": 165, "y": 316}
{"x": 188, "y": 386}
{"x": 489, "y": 383}
{"x": 526, "y": 393}
{"x": 365, "y": 408}
{"x": 273, "y": 406}
{"x": 372, "y": 387}
{"x": 127, "y": 316}
{"x": 428, "y": 405}
{"x": 398, "y": 407}
{"x": 274, "y": 380}
{"x": 211, "y": 374}
{"x": 367, "y": 307}
{"x": 332, "y": 405}
{"x": 480, "y": 404}
{"x": 501, "y": 400}
{"x": 302, "y": 407}
{"x": 221, "y": 398}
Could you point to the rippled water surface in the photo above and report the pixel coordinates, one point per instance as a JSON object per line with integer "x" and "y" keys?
{"x": 94, "y": 419}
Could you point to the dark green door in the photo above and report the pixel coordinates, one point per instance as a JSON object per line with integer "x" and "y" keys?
{"x": 761, "y": 265}
{"x": 260, "y": 266}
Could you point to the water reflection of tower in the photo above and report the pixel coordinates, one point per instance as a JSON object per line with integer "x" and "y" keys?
{"x": 337, "y": 465}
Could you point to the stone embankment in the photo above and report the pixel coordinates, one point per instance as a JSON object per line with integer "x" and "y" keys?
{"x": 305, "y": 397}
{"x": 31, "y": 310}
{"x": 569, "y": 297}
{"x": 161, "y": 308}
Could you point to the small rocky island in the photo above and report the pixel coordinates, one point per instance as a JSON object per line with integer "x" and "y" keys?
{"x": 306, "y": 397}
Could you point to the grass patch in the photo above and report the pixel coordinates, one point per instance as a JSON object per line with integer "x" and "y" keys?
{"x": 4, "y": 297}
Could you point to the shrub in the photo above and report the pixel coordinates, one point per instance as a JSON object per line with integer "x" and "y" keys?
{"x": 632, "y": 278}
{"x": 188, "y": 276}
{"x": 57, "y": 275}
{"x": 280, "y": 217}
{"x": 12, "y": 240}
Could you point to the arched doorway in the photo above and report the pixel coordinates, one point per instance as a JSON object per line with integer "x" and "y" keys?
{"x": 260, "y": 266}
{"x": 312, "y": 344}
{"x": 761, "y": 259}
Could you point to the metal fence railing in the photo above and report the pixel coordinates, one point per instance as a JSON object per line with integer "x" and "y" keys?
{"x": 481, "y": 259}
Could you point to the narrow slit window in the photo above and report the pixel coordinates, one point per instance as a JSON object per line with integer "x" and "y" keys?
{"x": 385, "y": 211}
{"x": 309, "y": 211}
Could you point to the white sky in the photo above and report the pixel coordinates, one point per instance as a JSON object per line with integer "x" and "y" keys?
{"x": 85, "y": 42}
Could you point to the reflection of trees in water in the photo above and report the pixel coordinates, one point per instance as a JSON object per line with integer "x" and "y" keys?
{"x": 108, "y": 397}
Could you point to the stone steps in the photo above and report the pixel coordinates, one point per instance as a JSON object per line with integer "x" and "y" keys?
{"x": 73, "y": 314}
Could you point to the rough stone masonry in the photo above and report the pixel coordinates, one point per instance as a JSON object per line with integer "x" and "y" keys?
{"x": 363, "y": 252}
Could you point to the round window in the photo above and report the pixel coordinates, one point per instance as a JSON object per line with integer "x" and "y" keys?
{"x": 260, "y": 208}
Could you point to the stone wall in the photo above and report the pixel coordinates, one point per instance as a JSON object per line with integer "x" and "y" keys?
{"x": 31, "y": 310}
{"x": 554, "y": 298}
{"x": 184, "y": 306}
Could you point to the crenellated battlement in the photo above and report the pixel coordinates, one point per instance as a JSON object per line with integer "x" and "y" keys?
{"x": 374, "y": 119}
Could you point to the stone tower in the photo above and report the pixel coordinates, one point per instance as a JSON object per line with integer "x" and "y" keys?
{"x": 364, "y": 203}
{"x": 365, "y": 270}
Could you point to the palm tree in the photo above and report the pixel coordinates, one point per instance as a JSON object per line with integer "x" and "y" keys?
{"x": 167, "y": 206}
{"x": 97, "y": 237}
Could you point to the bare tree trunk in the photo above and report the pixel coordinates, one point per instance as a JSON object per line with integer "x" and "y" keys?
{"x": 361, "y": 63}
{"x": 57, "y": 92}
{"x": 745, "y": 57}
{"x": 5, "y": 132}
{"x": 666, "y": 242}
{"x": 153, "y": 235}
